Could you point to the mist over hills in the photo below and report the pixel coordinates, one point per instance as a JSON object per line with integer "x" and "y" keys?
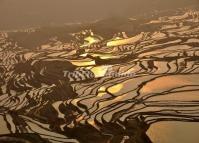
{"x": 27, "y": 13}
{"x": 106, "y": 28}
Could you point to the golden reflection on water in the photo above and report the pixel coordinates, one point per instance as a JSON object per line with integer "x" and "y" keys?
{"x": 165, "y": 83}
{"x": 90, "y": 40}
{"x": 102, "y": 89}
{"x": 83, "y": 63}
{"x": 116, "y": 88}
{"x": 124, "y": 41}
{"x": 174, "y": 132}
{"x": 100, "y": 71}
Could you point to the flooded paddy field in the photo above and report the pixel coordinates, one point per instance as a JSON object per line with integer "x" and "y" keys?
{"x": 140, "y": 87}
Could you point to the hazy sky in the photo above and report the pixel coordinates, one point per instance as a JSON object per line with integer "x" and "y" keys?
{"x": 19, "y": 13}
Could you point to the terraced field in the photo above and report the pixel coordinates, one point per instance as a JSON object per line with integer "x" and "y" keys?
{"x": 110, "y": 91}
